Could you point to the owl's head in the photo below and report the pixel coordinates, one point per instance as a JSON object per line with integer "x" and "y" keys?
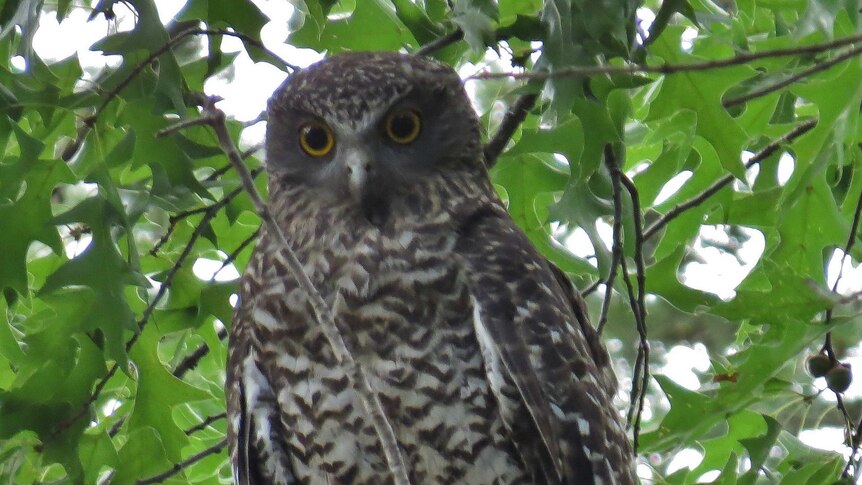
{"x": 368, "y": 127}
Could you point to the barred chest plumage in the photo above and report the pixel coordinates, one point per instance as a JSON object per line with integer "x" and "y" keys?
{"x": 406, "y": 313}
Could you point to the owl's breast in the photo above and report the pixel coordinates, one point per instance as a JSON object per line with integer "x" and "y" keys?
{"x": 405, "y": 312}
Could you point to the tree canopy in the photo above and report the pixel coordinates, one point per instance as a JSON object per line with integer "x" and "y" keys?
{"x": 690, "y": 164}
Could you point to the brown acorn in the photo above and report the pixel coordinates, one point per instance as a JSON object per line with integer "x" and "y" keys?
{"x": 839, "y": 378}
{"x": 818, "y": 365}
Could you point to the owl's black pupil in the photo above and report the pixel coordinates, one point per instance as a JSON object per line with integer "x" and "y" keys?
{"x": 402, "y": 126}
{"x": 316, "y": 138}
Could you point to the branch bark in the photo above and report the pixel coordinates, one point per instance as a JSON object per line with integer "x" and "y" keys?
{"x": 513, "y": 118}
{"x": 212, "y": 450}
{"x": 584, "y": 71}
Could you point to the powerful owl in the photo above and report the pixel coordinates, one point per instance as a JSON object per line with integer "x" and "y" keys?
{"x": 479, "y": 349}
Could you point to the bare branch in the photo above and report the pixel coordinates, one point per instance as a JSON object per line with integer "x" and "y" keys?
{"x": 440, "y": 43}
{"x": 821, "y": 66}
{"x": 178, "y": 467}
{"x": 206, "y": 422}
{"x": 218, "y": 173}
{"x": 191, "y": 361}
{"x": 641, "y": 313}
{"x": 64, "y": 425}
{"x": 179, "y": 216}
{"x": 170, "y": 130}
{"x": 616, "y": 249}
{"x": 640, "y": 374}
{"x": 513, "y": 118}
{"x": 593, "y": 287}
{"x": 719, "y": 184}
{"x": 586, "y": 71}
{"x": 232, "y": 256}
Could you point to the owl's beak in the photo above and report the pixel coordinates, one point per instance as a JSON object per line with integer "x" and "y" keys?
{"x": 358, "y": 165}
{"x": 367, "y": 194}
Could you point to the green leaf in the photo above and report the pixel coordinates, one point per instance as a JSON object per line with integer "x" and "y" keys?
{"x": 102, "y": 268}
{"x": 373, "y": 25}
{"x": 686, "y": 420}
{"x": 97, "y": 452}
{"x": 701, "y": 92}
{"x": 141, "y": 442}
{"x": 26, "y": 217}
{"x": 790, "y": 298}
{"x": 476, "y": 18}
{"x": 158, "y": 393}
{"x": 759, "y": 447}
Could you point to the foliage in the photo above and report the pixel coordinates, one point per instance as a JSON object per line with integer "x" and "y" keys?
{"x": 112, "y": 348}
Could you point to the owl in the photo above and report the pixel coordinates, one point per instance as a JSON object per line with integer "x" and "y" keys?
{"x": 479, "y": 349}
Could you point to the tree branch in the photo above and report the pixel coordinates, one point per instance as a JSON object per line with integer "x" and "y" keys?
{"x": 179, "y": 216}
{"x": 616, "y": 248}
{"x": 514, "y": 117}
{"x": 178, "y": 467}
{"x": 719, "y": 184}
{"x": 640, "y": 374}
{"x": 191, "y": 361}
{"x": 232, "y": 256}
{"x": 206, "y": 422}
{"x": 586, "y": 71}
{"x": 641, "y": 313}
{"x": 440, "y": 43}
{"x": 822, "y": 66}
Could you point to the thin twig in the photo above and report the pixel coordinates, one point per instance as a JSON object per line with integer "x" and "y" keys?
{"x": 739, "y": 59}
{"x": 64, "y": 425}
{"x": 616, "y": 249}
{"x": 440, "y": 43}
{"x": 191, "y": 361}
{"x": 206, "y": 422}
{"x": 218, "y": 173}
{"x": 851, "y": 241}
{"x": 514, "y": 117}
{"x": 719, "y": 184}
{"x": 640, "y": 375}
{"x": 232, "y": 256}
{"x": 179, "y": 216}
{"x": 178, "y": 467}
{"x": 117, "y": 427}
{"x": 593, "y": 287}
{"x": 822, "y": 66}
{"x": 641, "y": 314}
{"x": 322, "y": 312}
{"x": 639, "y": 386}
{"x": 170, "y": 130}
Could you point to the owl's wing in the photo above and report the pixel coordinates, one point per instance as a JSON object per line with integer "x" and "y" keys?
{"x": 550, "y": 375}
{"x": 256, "y": 439}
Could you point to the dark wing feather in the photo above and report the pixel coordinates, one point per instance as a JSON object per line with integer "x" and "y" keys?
{"x": 555, "y": 394}
{"x": 258, "y": 450}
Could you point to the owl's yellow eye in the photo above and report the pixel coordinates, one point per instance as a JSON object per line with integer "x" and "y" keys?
{"x": 403, "y": 126}
{"x": 316, "y": 139}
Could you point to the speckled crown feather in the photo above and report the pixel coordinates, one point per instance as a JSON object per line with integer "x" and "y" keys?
{"x": 348, "y": 86}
